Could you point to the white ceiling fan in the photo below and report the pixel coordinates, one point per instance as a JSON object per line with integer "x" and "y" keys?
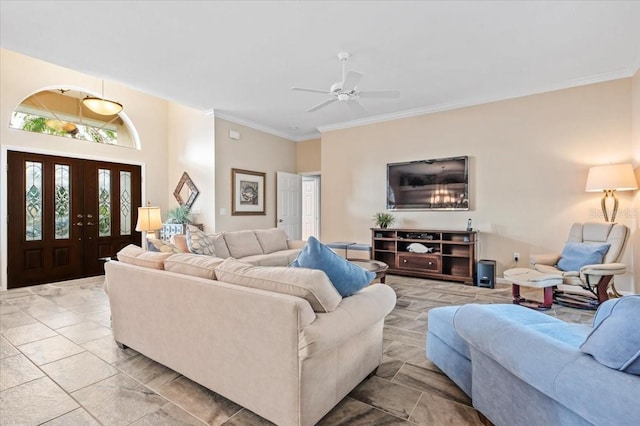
{"x": 347, "y": 91}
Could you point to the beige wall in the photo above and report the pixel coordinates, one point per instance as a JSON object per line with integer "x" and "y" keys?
{"x": 635, "y": 236}
{"x": 21, "y": 76}
{"x": 308, "y": 156}
{"x": 529, "y": 159}
{"x": 191, "y": 136}
{"x": 255, "y": 151}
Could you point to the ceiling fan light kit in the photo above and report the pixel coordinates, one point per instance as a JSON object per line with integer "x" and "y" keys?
{"x": 347, "y": 91}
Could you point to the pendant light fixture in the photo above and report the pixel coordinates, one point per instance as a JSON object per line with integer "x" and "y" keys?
{"x": 101, "y": 105}
{"x": 56, "y": 123}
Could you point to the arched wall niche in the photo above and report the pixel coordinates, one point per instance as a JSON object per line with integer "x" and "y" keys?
{"x": 57, "y": 110}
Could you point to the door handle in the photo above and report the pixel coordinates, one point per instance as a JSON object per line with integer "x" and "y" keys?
{"x": 89, "y": 216}
{"x": 79, "y": 216}
{"x": 280, "y": 220}
{"x": 80, "y": 224}
{"x": 90, "y": 223}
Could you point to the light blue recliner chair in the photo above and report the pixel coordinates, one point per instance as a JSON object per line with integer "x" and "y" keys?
{"x": 523, "y": 367}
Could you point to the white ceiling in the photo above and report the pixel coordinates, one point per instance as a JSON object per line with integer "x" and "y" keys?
{"x": 242, "y": 58}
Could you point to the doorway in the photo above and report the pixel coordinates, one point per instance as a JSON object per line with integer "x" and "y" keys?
{"x": 310, "y": 207}
{"x": 66, "y": 215}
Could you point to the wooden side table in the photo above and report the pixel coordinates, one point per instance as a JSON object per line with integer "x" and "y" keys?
{"x": 376, "y": 266}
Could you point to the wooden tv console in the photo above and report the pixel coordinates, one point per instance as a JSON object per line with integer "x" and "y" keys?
{"x": 452, "y": 254}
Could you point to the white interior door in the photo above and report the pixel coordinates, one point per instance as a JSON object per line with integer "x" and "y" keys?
{"x": 310, "y": 207}
{"x": 289, "y": 204}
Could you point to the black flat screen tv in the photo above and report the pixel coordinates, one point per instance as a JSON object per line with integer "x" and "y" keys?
{"x": 438, "y": 184}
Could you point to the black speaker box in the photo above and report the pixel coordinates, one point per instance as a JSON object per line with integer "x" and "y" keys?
{"x": 486, "y": 273}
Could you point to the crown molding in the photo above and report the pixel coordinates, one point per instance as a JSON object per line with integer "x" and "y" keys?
{"x": 635, "y": 66}
{"x": 599, "y": 78}
{"x": 263, "y": 128}
{"x": 251, "y": 124}
{"x": 448, "y": 106}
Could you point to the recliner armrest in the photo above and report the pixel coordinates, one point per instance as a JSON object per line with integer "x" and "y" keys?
{"x": 604, "y": 269}
{"x": 544, "y": 259}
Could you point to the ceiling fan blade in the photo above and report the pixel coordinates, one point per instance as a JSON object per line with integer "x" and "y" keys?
{"x": 378, "y": 94}
{"x": 321, "y": 105}
{"x": 302, "y": 89}
{"x": 351, "y": 81}
{"x": 356, "y": 107}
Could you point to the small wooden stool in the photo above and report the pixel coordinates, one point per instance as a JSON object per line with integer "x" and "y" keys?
{"x": 531, "y": 278}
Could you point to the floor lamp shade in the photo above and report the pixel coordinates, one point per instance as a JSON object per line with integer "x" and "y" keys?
{"x": 149, "y": 219}
{"x": 609, "y": 179}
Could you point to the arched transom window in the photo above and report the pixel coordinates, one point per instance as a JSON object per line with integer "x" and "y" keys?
{"x": 61, "y": 112}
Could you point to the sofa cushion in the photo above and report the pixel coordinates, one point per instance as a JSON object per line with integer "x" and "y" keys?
{"x": 193, "y": 264}
{"x": 199, "y": 242}
{"x": 154, "y": 244}
{"x": 279, "y": 258}
{"x": 615, "y": 341}
{"x": 311, "y": 285}
{"x": 274, "y": 239}
{"x": 273, "y": 259}
{"x": 576, "y": 255}
{"x": 242, "y": 243}
{"x": 220, "y": 245}
{"x": 137, "y": 256}
{"x": 347, "y": 278}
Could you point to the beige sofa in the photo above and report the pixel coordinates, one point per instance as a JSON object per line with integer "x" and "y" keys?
{"x": 256, "y": 341}
{"x": 263, "y": 247}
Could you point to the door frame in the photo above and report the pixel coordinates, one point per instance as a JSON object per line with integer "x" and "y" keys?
{"x": 4, "y": 194}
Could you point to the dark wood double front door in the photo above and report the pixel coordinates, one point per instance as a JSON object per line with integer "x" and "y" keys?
{"x": 65, "y": 214}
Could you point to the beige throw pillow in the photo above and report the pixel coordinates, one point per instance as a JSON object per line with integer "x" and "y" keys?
{"x": 136, "y": 256}
{"x": 274, "y": 239}
{"x": 192, "y": 264}
{"x": 310, "y": 284}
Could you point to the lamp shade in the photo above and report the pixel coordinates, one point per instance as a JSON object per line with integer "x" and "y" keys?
{"x": 613, "y": 176}
{"x": 149, "y": 219}
{"x": 102, "y": 106}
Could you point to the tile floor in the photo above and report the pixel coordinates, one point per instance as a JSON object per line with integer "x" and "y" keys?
{"x": 59, "y": 365}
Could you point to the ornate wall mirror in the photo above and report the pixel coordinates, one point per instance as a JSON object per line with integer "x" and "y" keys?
{"x": 186, "y": 190}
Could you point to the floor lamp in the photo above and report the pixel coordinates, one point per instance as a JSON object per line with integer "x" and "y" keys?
{"x": 609, "y": 179}
{"x": 149, "y": 220}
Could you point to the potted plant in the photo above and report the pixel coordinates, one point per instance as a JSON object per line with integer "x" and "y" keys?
{"x": 180, "y": 214}
{"x": 383, "y": 219}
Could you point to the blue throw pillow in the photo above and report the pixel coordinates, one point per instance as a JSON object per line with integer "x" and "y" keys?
{"x": 345, "y": 276}
{"x": 615, "y": 341}
{"x": 576, "y": 255}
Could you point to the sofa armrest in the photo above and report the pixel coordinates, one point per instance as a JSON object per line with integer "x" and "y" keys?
{"x": 296, "y": 244}
{"x": 354, "y": 314}
{"x": 544, "y": 259}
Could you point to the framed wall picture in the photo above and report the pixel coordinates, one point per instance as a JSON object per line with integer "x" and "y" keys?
{"x": 247, "y": 192}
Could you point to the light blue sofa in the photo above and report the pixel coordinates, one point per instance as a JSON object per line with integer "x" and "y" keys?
{"x": 522, "y": 367}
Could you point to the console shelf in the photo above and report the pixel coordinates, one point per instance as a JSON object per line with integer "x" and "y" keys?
{"x": 451, "y": 254}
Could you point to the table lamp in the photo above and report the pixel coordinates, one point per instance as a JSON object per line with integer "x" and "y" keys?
{"x": 609, "y": 179}
{"x": 149, "y": 220}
